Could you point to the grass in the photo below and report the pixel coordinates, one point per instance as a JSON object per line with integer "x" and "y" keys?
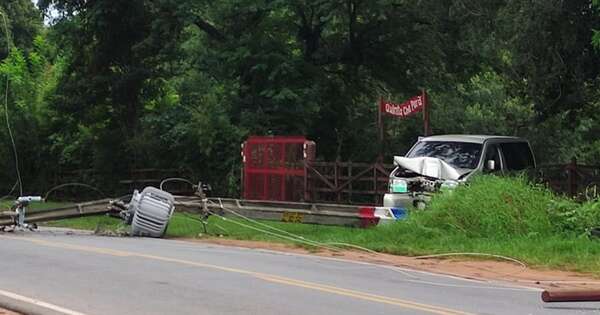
{"x": 37, "y": 206}
{"x": 503, "y": 216}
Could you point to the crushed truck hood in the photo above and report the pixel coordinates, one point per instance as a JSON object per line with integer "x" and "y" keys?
{"x": 428, "y": 166}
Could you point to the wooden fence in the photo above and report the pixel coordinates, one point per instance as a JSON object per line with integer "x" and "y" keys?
{"x": 334, "y": 182}
{"x": 572, "y": 179}
{"x": 366, "y": 183}
{"x": 346, "y": 182}
{"x": 134, "y": 179}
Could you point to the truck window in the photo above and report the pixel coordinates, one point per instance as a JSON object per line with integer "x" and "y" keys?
{"x": 492, "y": 153}
{"x": 517, "y": 156}
{"x": 462, "y": 155}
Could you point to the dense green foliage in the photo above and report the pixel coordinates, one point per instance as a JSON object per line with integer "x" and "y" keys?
{"x": 123, "y": 84}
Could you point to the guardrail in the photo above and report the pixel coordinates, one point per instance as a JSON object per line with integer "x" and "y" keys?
{"x": 296, "y": 212}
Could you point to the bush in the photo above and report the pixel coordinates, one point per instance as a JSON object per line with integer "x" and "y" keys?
{"x": 502, "y": 207}
{"x": 578, "y": 218}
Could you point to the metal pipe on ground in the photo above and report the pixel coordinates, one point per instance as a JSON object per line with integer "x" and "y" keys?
{"x": 549, "y": 296}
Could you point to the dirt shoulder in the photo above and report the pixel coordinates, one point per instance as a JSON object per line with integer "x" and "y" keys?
{"x": 4, "y": 311}
{"x": 484, "y": 270}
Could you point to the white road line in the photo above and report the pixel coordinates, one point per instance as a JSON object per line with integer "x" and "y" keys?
{"x": 39, "y": 303}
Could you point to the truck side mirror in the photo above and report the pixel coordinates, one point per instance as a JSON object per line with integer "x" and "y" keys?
{"x": 490, "y": 165}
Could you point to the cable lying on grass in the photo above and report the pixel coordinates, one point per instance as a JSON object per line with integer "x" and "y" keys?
{"x": 326, "y": 245}
{"x": 282, "y": 234}
{"x": 297, "y": 239}
{"x": 522, "y": 264}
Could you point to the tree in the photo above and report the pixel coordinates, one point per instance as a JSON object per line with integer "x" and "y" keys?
{"x": 118, "y": 50}
{"x": 550, "y": 53}
{"x": 24, "y": 23}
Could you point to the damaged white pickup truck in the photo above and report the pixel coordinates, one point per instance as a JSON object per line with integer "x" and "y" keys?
{"x": 445, "y": 161}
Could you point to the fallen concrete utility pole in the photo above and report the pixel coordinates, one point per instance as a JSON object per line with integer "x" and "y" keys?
{"x": 150, "y": 211}
{"x": 571, "y": 296}
{"x": 74, "y": 211}
{"x": 297, "y": 212}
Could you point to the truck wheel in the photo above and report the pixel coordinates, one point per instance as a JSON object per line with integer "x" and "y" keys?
{"x": 420, "y": 204}
{"x": 595, "y": 233}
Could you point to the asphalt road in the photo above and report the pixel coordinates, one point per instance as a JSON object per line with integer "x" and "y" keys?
{"x": 55, "y": 272}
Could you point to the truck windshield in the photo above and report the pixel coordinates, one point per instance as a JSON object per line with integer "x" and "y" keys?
{"x": 463, "y": 155}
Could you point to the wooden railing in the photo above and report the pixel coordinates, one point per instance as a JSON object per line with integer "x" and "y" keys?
{"x": 337, "y": 182}
{"x": 346, "y": 182}
{"x": 366, "y": 183}
{"x": 125, "y": 184}
{"x": 572, "y": 179}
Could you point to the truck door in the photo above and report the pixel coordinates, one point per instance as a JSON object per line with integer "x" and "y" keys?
{"x": 517, "y": 156}
{"x": 492, "y": 153}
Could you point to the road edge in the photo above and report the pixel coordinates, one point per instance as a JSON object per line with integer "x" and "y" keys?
{"x": 24, "y": 307}
{"x": 512, "y": 284}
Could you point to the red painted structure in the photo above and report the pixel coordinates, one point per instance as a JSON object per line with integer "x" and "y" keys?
{"x": 274, "y": 167}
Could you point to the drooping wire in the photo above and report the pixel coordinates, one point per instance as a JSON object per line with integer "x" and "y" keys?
{"x": 293, "y": 239}
{"x": 187, "y": 216}
{"x": 332, "y": 245}
{"x": 514, "y": 260}
{"x": 73, "y": 184}
{"x": 12, "y": 139}
{"x": 297, "y": 238}
{"x": 175, "y": 179}
{"x": 328, "y": 245}
{"x": 256, "y": 222}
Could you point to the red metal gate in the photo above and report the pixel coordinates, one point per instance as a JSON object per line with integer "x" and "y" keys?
{"x": 274, "y": 167}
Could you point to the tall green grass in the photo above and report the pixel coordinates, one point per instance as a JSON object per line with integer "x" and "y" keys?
{"x": 490, "y": 206}
{"x": 500, "y": 207}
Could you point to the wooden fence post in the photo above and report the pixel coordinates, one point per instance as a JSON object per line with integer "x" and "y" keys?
{"x": 306, "y": 193}
{"x": 336, "y": 182}
{"x": 375, "y": 183}
{"x": 572, "y": 177}
{"x": 350, "y": 185}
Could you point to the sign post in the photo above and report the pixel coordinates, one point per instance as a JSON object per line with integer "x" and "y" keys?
{"x": 380, "y": 131}
{"x": 426, "y": 126}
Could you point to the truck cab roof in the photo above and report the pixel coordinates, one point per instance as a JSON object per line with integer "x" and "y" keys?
{"x": 471, "y": 138}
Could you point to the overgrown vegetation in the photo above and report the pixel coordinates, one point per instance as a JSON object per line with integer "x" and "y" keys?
{"x": 115, "y": 85}
{"x": 503, "y": 216}
{"x": 508, "y": 207}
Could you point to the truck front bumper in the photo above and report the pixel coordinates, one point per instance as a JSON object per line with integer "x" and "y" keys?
{"x": 405, "y": 200}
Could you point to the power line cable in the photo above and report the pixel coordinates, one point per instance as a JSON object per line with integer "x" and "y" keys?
{"x": 12, "y": 139}
{"x": 331, "y": 245}
{"x": 175, "y": 179}
{"x": 74, "y": 184}
{"x": 308, "y": 242}
{"x": 262, "y": 224}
